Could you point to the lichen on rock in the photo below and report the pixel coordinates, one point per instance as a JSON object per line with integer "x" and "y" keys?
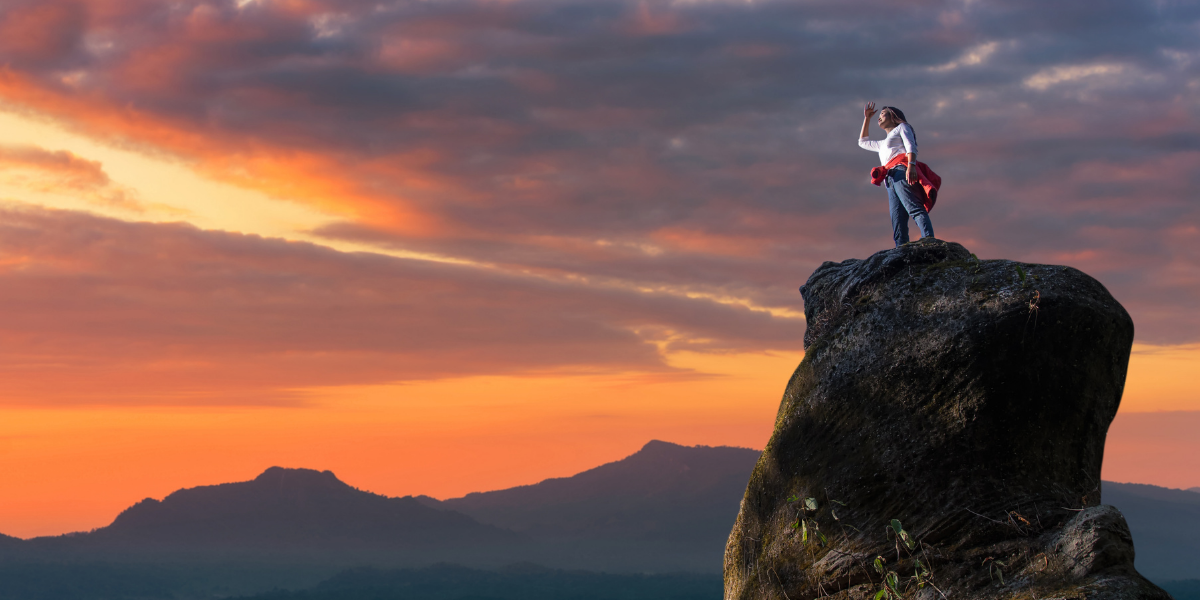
{"x": 967, "y": 400}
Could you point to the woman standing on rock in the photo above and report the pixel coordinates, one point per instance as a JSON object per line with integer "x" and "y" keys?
{"x": 911, "y": 185}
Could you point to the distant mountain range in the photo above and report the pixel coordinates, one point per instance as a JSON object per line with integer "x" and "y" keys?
{"x": 283, "y": 514}
{"x": 1166, "y": 528}
{"x": 665, "y": 508}
{"x": 290, "y": 508}
{"x": 664, "y": 492}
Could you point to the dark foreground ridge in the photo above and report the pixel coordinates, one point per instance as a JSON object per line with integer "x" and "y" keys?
{"x": 943, "y": 435}
{"x": 522, "y": 581}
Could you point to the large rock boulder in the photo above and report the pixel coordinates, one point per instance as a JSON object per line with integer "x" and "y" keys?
{"x": 942, "y": 438}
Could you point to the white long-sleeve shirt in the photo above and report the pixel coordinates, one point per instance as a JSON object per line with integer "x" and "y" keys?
{"x": 901, "y": 139}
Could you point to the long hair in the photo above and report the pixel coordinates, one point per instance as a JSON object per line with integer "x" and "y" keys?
{"x": 897, "y": 113}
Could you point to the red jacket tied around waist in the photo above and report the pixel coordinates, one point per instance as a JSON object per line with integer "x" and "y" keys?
{"x": 928, "y": 182}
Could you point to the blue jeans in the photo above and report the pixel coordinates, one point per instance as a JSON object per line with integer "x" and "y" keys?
{"x": 905, "y": 202}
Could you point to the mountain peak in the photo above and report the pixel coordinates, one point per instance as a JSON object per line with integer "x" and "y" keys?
{"x": 658, "y": 451}
{"x": 299, "y": 477}
{"x": 657, "y": 446}
{"x": 626, "y": 498}
{"x": 288, "y": 509}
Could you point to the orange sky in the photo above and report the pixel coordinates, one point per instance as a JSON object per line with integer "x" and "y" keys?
{"x": 436, "y": 259}
{"x": 450, "y": 437}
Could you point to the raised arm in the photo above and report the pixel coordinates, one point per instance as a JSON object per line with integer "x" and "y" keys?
{"x": 868, "y": 112}
{"x": 863, "y": 142}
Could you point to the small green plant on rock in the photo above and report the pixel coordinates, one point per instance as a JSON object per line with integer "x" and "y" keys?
{"x": 995, "y": 569}
{"x": 807, "y": 525}
{"x": 921, "y": 574}
{"x": 889, "y": 587}
{"x": 892, "y": 586}
{"x": 902, "y": 536}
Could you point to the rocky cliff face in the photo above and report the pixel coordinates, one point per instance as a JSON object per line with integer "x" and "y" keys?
{"x": 942, "y": 438}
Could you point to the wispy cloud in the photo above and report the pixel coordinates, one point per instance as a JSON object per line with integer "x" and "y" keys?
{"x": 167, "y": 313}
{"x": 62, "y": 172}
{"x": 973, "y": 56}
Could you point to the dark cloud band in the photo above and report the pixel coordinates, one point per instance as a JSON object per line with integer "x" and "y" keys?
{"x": 706, "y": 147}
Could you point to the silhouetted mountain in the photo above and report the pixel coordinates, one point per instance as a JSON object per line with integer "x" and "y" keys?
{"x": 1165, "y": 524}
{"x": 663, "y": 492}
{"x": 1195, "y": 489}
{"x": 284, "y": 510}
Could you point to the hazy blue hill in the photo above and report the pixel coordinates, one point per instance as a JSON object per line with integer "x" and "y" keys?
{"x": 26, "y": 581}
{"x": 663, "y": 492}
{"x": 1166, "y": 528}
{"x": 1188, "y": 589}
{"x": 10, "y": 546}
{"x": 284, "y": 509}
{"x": 58, "y": 580}
{"x": 522, "y": 582}
{"x": 1152, "y": 492}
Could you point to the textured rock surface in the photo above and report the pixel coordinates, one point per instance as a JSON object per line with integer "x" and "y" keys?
{"x": 968, "y": 400}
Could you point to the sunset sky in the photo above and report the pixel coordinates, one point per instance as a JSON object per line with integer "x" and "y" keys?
{"x": 443, "y": 246}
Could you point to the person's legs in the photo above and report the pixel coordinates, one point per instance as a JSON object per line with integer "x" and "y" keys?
{"x": 911, "y": 202}
{"x": 899, "y": 213}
